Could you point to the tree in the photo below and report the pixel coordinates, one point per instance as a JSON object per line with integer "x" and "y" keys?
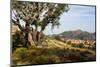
{"x": 38, "y": 15}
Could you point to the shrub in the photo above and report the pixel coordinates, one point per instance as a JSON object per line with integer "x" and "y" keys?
{"x": 81, "y": 45}
{"x": 17, "y": 39}
{"x": 57, "y": 37}
{"x": 69, "y": 42}
{"x": 94, "y": 47}
{"x": 19, "y": 54}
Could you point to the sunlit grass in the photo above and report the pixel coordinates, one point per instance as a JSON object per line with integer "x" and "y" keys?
{"x": 23, "y": 56}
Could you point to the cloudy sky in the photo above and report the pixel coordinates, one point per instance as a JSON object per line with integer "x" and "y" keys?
{"x": 78, "y": 17}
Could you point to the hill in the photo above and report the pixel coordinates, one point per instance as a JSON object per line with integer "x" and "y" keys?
{"x": 78, "y": 34}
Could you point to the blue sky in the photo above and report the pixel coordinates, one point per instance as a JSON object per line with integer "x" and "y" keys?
{"x": 78, "y": 17}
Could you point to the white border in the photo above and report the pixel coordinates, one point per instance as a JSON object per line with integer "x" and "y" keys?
{"x": 87, "y": 2}
{"x": 5, "y": 33}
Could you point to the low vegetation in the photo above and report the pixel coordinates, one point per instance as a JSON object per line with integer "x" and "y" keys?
{"x": 23, "y": 56}
{"x": 52, "y": 50}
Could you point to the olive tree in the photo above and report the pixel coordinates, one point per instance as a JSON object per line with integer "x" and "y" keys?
{"x": 38, "y": 15}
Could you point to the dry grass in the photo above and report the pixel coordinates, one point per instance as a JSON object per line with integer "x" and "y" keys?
{"x": 34, "y": 55}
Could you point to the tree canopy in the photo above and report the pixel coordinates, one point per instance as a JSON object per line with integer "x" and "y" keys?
{"x": 39, "y": 14}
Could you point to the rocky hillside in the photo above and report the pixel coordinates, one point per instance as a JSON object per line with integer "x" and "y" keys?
{"x": 78, "y": 34}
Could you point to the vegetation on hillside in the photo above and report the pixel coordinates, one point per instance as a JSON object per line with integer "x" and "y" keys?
{"x": 78, "y": 34}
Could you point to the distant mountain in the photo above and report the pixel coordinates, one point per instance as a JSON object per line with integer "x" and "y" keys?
{"x": 78, "y": 34}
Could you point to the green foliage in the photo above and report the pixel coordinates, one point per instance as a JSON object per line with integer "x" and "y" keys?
{"x": 18, "y": 39}
{"x": 69, "y": 42}
{"x": 19, "y": 54}
{"x": 57, "y": 37}
{"x": 81, "y": 45}
{"x": 94, "y": 47}
{"x": 25, "y": 56}
{"x": 37, "y": 14}
{"x": 78, "y": 34}
{"x": 32, "y": 11}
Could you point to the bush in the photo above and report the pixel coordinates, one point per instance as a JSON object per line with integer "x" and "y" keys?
{"x": 81, "y": 45}
{"x": 17, "y": 40}
{"x": 19, "y": 55}
{"x": 69, "y": 42}
{"x": 94, "y": 47}
{"x": 57, "y": 37}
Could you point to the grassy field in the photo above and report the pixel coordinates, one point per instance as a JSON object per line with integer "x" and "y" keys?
{"x": 52, "y": 51}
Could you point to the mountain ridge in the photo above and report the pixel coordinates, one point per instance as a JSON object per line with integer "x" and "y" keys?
{"x": 78, "y": 34}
